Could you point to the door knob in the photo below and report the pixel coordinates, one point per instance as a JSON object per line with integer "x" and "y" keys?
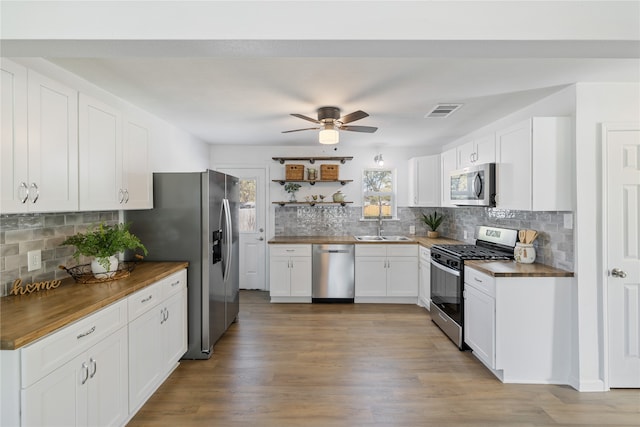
{"x": 616, "y": 272}
{"x": 261, "y": 230}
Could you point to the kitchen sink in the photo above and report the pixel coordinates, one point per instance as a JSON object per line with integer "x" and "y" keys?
{"x": 382, "y": 238}
{"x": 368, "y": 238}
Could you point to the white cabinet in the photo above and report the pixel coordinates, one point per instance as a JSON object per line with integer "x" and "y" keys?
{"x": 476, "y": 152}
{"x": 113, "y": 174}
{"x": 448, "y": 163}
{"x": 386, "y": 273}
{"x": 290, "y": 273}
{"x": 534, "y": 166}
{"x": 39, "y": 142}
{"x": 424, "y": 291}
{"x": 78, "y": 375}
{"x": 424, "y": 181}
{"x": 519, "y": 327}
{"x": 157, "y": 335}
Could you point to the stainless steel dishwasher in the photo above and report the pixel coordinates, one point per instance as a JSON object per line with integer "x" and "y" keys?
{"x": 333, "y": 273}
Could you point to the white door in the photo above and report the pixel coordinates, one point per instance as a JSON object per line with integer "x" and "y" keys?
{"x": 253, "y": 243}
{"x": 622, "y": 145}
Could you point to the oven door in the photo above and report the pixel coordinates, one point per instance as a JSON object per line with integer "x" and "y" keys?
{"x": 446, "y": 290}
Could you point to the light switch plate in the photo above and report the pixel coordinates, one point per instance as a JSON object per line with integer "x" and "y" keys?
{"x": 568, "y": 221}
{"x": 34, "y": 260}
{"x": 412, "y": 229}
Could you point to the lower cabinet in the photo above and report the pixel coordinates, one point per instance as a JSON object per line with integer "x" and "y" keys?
{"x": 290, "y": 273}
{"x": 424, "y": 290}
{"x": 157, "y": 337}
{"x": 89, "y": 390}
{"x": 100, "y": 369}
{"x": 519, "y": 327}
{"x": 386, "y": 273}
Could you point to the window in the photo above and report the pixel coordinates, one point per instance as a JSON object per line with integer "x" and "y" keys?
{"x": 247, "y": 205}
{"x": 378, "y": 194}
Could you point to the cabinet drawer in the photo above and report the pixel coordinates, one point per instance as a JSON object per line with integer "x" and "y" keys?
{"x": 174, "y": 283}
{"x": 425, "y": 254}
{"x": 375, "y": 249}
{"x": 145, "y": 299}
{"x": 290, "y": 250}
{"x": 480, "y": 281}
{"x": 54, "y": 350}
{"x": 402, "y": 250}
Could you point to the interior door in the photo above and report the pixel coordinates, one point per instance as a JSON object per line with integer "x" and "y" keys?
{"x": 622, "y": 145}
{"x": 251, "y": 226}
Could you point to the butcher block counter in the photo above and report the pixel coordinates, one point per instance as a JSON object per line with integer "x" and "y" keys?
{"x": 26, "y": 318}
{"x": 515, "y": 269}
{"x": 342, "y": 240}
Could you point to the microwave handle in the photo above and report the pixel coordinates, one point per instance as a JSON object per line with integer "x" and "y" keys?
{"x": 476, "y": 186}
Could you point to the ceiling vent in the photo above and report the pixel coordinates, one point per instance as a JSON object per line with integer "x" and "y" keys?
{"x": 442, "y": 111}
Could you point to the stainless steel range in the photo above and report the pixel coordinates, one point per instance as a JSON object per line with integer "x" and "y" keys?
{"x": 447, "y": 275}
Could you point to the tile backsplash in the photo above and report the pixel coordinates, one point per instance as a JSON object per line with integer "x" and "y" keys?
{"x": 22, "y": 233}
{"x": 554, "y": 245}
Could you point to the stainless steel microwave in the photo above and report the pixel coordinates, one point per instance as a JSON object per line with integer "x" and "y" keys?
{"x": 474, "y": 185}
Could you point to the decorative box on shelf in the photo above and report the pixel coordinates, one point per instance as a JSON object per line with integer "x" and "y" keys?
{"x": 294, "y": 172}
{"x": 329, "y": 172}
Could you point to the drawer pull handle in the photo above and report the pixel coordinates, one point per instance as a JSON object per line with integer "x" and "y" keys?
{"x": 443, "y": 318}
{"x": 85, "y": 372}
{"x": 84, "y": 334}
{"x": 477, "y": 280}
{"x": 290, "y": 250}
{"x": 94, "y": 365}
{"x": 147, "y": 299}
{"x": 177, "y": 282}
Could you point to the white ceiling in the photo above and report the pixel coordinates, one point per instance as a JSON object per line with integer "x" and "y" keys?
{"x": 242, "y": 91}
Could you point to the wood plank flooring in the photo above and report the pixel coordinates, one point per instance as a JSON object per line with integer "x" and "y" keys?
{"x": 359, "y": 365}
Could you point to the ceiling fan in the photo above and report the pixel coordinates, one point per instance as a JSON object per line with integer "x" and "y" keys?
{"x": 330, "y": 123}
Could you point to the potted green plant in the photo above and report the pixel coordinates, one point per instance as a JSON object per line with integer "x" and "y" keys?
{"x": 103, "y": 242}
{"x": 291, "y": 188}
{"x": 433, "y": 221}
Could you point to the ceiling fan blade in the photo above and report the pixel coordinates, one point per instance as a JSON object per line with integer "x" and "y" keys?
{"x": 356, "y": 115}
{"x": 367, "y": 129}
{"x": 298, "y": 130}
{"x": 300, "y": 116}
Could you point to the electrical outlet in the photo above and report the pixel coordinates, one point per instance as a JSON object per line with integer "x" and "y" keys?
{"x": 568, "y": 221}
{"x": 412, "y": 229}
{"x": 34, "y": 260}
{"x": 465, "y": 234}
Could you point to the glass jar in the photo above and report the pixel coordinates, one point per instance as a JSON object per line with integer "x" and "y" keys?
{"x": 524, "y": 253}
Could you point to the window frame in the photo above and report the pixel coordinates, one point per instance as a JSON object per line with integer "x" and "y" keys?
{"x": 393, "y": 193}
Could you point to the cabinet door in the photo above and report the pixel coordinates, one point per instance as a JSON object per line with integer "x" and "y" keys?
{"x": 14, "y": 177}
{"x": 513, "y": 172}
{"x": 479, "y": 324}
{"x": 300, "y": 276}
{"x": 371, "y": 277}
{"x": 279, "y": 276}
{"x": 100, "y": 160}
{"x": 402, "y": 277}
{"x": 447, "y": 164}
{"x": 137, "y": 182}
{"x": 425, "y": 283}
{"x": 144, "y": 355}
{"x": 174, "y": 329}
{"x": 466, "y": 154}
{"x": 53, "y": 145}
{"x": 59, "y": 399}
{"x": 485, "y": 149}
{"x": 427, "y": 182}
{"x": 107, "y": 387}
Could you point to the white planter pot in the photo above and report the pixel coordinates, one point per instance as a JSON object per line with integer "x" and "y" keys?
{"x": 99, "y": 272}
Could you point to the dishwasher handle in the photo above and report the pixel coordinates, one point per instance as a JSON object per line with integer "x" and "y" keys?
{"x": 333, "y": 251}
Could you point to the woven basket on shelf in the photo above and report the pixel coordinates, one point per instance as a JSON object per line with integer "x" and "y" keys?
{"x": 294, "y": 172}
{"x": 329, "y": 172}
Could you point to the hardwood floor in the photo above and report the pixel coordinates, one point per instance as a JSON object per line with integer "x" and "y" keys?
{"x": 359, "y": 365}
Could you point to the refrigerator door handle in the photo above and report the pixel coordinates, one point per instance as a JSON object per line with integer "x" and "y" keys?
{"x": 228, "y": 238}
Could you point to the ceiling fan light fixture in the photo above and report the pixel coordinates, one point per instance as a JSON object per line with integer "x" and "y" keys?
{"x": 379, "y": 160}
{"x": 329, "y": 134}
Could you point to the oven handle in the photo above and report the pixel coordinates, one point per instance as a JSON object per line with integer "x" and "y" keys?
{"x": 446, "y": 269}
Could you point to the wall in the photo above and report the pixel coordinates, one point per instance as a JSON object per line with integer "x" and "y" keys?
{"x": 596, "y": 103}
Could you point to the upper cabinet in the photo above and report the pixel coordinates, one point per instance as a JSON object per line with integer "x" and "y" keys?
{"x": 534, "y": 165}
{"x": 39, "y": 143}
{"x": 424, "y": 181}
{"x": 113, "y": 174}
{"x": 447, "y": 164}
{"x": 476, "y": 152}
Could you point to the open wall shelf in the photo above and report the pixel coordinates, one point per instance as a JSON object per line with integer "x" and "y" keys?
{"x": 312, "y": 160}
{"x": 312, "y": 181}
{"x": 311, "y": 203}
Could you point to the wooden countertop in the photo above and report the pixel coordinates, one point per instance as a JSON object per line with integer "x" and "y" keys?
{"x": 26, "y": 318}
{"x": 427, "y": 242}
{"x": 319, "y": 240}
{"x": 515, "y": 269}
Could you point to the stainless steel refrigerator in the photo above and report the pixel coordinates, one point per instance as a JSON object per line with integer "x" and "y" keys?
{"x": 194, "y": 218}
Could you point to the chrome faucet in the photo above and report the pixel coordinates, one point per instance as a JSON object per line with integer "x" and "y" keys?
{"x": 379, "y": 216}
